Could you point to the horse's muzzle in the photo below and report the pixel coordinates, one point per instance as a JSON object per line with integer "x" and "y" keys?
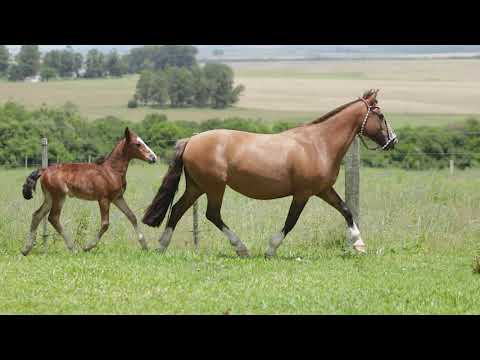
{"x": 152, "y": 159}
{"x": 391, "y": 144}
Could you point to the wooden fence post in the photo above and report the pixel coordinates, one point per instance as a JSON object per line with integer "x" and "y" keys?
{"x": 196, "y": 237}
{"x": 26, "y": 162}
{"x": 89, "y": 159}
{"x": 195, "y": 225}
{"x": 352, "y": 180}
{"x": 44, "y": 166}
{"x": 452, "y": 166}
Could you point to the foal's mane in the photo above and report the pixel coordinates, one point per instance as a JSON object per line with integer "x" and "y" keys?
{"x": 104, "y": 158}
{"x": 334, "y": 112}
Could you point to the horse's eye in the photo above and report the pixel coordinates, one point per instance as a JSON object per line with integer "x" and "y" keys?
{"x": 138, "y": 144}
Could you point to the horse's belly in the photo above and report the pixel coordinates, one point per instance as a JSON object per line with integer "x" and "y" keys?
{"x": 259, "y": 186}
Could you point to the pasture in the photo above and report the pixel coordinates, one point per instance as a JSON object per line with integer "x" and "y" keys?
{"x": 421, "y": 229}
{"x": 414, "y": 92}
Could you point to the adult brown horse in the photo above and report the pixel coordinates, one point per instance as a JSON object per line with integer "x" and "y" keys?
{"x": 301, "y": 162}
{"x": 104, "y": 181}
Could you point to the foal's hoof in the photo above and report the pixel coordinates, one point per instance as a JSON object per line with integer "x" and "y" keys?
{"x": 25, "y": 252}
{"x": 160, "y": 250}
{"x": 243, "y": 253}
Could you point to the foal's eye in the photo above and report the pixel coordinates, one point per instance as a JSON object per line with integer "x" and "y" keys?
{"x": 138, "y": 144}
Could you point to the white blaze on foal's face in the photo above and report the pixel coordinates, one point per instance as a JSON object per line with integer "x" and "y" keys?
{"x": 145, "y": 150}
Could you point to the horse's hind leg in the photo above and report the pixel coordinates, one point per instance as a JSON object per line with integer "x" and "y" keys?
{"x": 296, "y": 208}
{"x": 331, "y": 197}
{"x": 104, "y": 205}
{"x": 121, "y": 204}
{"x": 54, "y": 218}
{"x": 192, "y": 193}
{"x": 36, "y": 218}
{"x": 213, "y": 214}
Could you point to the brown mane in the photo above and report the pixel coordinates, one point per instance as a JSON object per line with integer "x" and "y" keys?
{"x": 328, "y": 115}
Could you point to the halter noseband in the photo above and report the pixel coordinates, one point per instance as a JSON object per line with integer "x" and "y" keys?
{"x": 391, "y": 136}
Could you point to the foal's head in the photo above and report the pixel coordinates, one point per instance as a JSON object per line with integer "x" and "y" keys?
{"x": 375, "y": 125}
{"x": 135, "y": 148}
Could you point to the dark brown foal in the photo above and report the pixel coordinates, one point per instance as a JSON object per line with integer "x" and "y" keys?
{"x": 104, "y": 182}
{"x": 300, "y": 162}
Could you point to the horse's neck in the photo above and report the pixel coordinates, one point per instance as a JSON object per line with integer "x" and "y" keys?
{"x": 117, "y": 160}
{"x": 339, "y": 131}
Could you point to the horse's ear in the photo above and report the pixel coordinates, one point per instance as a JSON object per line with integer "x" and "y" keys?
{"x": 371, "y": 95}
{"x": 128, "y": 135}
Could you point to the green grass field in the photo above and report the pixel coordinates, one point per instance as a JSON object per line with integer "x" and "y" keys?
{"x": 421, "y": 228}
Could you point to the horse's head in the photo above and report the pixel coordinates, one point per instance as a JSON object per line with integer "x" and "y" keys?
{"x": 375, "y": 126}
{"x": 136, "y": 148}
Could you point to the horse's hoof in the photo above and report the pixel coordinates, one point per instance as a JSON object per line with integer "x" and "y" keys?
{"x": 160, "y": 251}
{"x": 243, "y": 253}
{"x": 361, "y": 249}
{"x": 87, "y": 248}
{"x": 25, "y": 252}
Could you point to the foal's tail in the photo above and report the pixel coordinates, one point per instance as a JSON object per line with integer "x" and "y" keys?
{"x": 164, "y": 199}
{"x": 30, "y": 184}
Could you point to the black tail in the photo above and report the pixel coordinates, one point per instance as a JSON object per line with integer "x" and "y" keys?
{"x": 164, "y": 199}
{"x": 30, "y": 184}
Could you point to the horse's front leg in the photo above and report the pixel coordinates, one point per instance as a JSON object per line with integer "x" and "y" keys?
{"x": 104, "y": 212}
{"x": 331, "y": 197}
{"x": 121, "y": 204}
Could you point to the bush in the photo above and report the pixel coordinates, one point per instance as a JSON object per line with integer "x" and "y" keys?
{"x": 132, "y": 104}
{"x": 72, "y": 138}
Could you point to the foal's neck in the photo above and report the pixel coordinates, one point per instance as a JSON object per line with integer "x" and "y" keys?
{"x": 118, "y": 159}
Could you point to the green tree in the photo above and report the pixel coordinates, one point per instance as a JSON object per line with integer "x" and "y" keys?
{"x": 180, "y": 86}
{"x": 47, "y": 73}
{"x": 77, "y": 63}
{"x": 4, "y": 59}
{"x": 144, "y": 87}
{"x": 201, "y": 87}
{"x": 94, "y": 64}
{"x": 113, "y": 64}
{"x": 67, "y": 62}
{"x": 160, "y": 57}
{"x": 159, "y": 88}
{"x": 15, "y": 73}
{"x": 52, "y": 59}
{"x": 29, "y": 60}
{"x": 220, "y": 77}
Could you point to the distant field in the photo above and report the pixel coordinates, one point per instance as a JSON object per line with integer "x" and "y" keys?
{"x": 413, "y": 92}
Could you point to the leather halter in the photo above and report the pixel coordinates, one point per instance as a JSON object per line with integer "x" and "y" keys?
{"x": 391, "y": 136}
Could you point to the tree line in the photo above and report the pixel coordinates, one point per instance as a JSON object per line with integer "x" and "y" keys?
{"x": 68, "y": 63}
{"x": 211, "y": 85}
{"x": 73, "y": 139}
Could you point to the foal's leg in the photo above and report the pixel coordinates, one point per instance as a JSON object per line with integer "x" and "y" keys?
{"x": 104, "y": 212}
{"x": 296, "y": 208}
{"x": 54, "y": 218}
{"x": 123, "y": 207}
{"x": 191, "y": 194}
{"x": 332, "y": 198}
{"x": 213, "y": 214}
{"x": 36, "y": 218}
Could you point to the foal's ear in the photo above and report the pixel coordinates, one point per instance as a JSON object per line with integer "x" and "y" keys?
{"x": 128, "y": 135}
